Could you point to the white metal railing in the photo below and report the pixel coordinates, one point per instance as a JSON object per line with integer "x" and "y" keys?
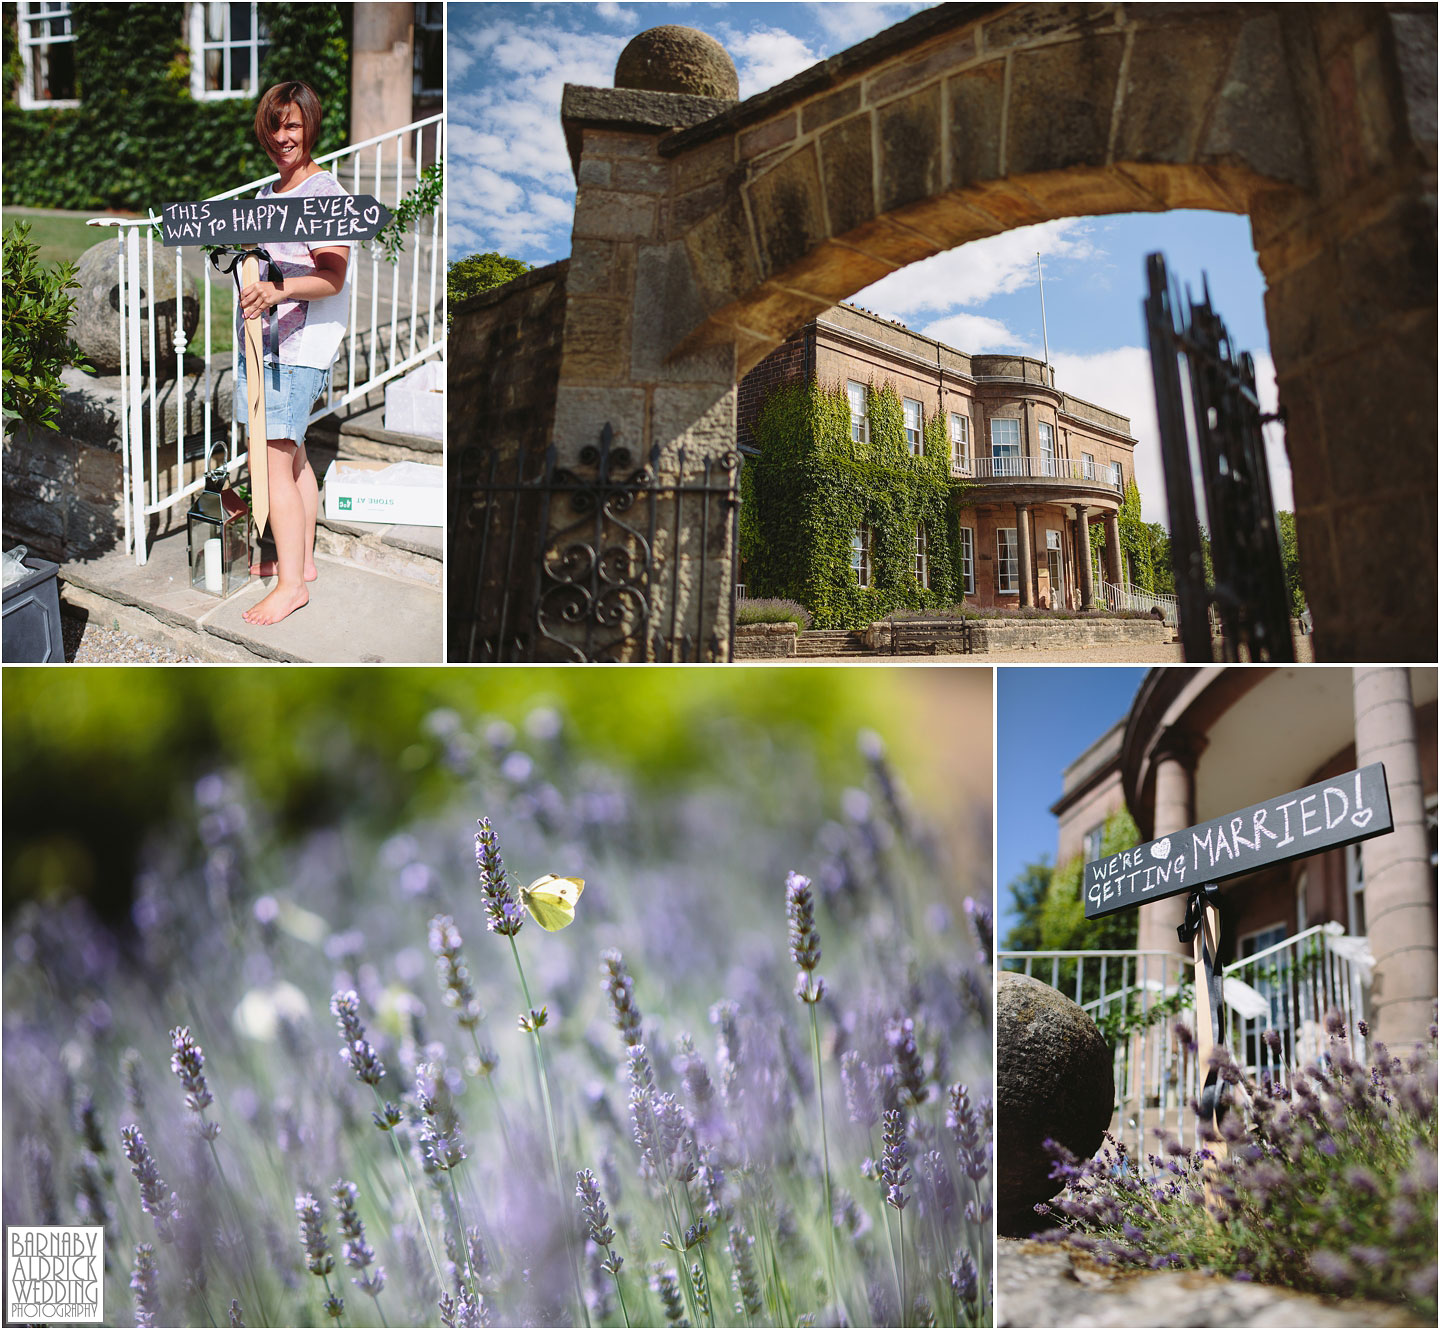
{"x": 740, "y": 592}
{"x": 1286, "y": 989}
{"x": 1131, "y": 597}
{"x": 1064, "y": 469}
{"x": 396, "y": 322}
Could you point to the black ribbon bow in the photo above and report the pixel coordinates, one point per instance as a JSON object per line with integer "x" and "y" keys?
{"x": 1195, "y": 909}
{"x": 236, "y": 255}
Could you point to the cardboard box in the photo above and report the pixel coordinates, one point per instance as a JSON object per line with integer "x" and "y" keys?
{"x": 415, "y": 404}
{"x": 396, "y": 493}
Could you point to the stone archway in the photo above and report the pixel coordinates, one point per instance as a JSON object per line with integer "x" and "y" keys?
{"x": 706, "y": 231}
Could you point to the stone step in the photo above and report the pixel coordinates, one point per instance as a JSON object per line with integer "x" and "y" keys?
{"x": 416, "y": 552}
{"x": 830, "y": 643}
{"x": 363, "y": 435}
{"x": 355, "y": 615}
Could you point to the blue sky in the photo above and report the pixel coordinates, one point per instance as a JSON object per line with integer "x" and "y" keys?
{"x": 510, "y": 189}
{"x": 1044, "y": 720}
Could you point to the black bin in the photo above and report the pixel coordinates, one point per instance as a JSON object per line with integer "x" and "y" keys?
{"x": 32, "y": 616}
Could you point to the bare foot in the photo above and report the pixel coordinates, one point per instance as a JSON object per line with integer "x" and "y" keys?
{"x": 267, "y": 568}
{"x": 280, "y": 602}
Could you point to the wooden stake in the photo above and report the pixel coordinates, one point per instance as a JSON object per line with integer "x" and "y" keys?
{"x": 255, "y": 395}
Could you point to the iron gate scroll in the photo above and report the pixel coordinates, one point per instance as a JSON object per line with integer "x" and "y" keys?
{"x": 602, "y": 560}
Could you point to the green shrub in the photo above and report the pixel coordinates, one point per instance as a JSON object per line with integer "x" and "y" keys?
{"x": 37, "y": 313}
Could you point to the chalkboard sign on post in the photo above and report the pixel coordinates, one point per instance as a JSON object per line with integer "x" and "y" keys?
{"x": 241, "y": 224}
{"x": 1340, "y": 811}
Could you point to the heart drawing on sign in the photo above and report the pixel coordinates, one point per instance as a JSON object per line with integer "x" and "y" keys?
{"x": 1161, "y": 848}
{"x": 372, "y": 215}
{"x": 1361, "y": 816}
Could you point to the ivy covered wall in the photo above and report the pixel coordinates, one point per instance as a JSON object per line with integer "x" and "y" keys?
{"x": 139, "y": 139}
{"x": 806, "y": 495}
{"x": 1136, "y": 542}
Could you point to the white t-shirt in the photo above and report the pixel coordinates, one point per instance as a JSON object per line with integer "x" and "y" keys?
{"x": 309, "y": 332}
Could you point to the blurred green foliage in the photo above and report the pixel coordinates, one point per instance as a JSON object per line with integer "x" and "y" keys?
{"x": 93, "y": 759}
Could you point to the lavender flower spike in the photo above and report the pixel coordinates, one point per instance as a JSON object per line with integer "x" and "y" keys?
{"x": 445, "y": 943}
{"x": 187, "y": 1061}
{"x": 155, "y": 1198}
{"x": 143, "y": 1284}
{"x": 358, "y": 1254}
{"x": 318, "y": 1259}
{"x": 621, "y": 989}
{"x": 895, "y": 1163}
{"x": 505, "y": 914}
{"x": 359, "y": 1054}
{"x": 804, "y": 937}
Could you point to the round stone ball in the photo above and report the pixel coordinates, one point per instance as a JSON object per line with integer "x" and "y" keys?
{"x": 672, "y": 58}
{"x": 96, "y": 323}
{"x": 1055, "y": 1080}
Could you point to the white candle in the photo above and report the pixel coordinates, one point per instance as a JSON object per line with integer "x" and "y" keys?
{"x": 214, "y": 574}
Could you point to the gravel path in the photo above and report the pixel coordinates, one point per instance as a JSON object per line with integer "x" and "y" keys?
{"x": 1149, "y": 653}
{"x": 89, "y": 642}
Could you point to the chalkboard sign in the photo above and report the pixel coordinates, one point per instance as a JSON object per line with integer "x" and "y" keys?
{"x": 1341, "y": 811}
{"x": 311, "y": 219}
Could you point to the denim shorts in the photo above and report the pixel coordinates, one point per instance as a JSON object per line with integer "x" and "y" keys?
{"x": 290, "y": 394}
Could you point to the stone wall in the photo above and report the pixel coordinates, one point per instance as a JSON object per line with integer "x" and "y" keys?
{"x": 785, "y": 364}
{"x": 1048, "y": 634}
{"x": 63, "y": 489}
{"x": 765, "y": 641}
{"x": 503, "y": 360}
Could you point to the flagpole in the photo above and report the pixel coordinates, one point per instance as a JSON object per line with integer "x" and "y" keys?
{"x": 1044, "y": 330}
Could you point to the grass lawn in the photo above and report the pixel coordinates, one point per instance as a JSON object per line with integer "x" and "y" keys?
{"x": 60, "y": 235}
{"x": 63, "y": 236}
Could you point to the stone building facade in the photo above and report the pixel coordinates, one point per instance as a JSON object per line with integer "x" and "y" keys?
{"x": 1200, "y": 742}
{"x": 1035, "y": 467}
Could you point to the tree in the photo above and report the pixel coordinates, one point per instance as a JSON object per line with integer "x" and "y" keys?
{"x": 1049, "y": 907}
{"x": 1027, "y": 895}
{"x": 1290, "y": 556}
{"x": 480, "y": 272}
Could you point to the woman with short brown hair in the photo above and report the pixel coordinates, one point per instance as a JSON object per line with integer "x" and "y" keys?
{"x": 303, "y": 320}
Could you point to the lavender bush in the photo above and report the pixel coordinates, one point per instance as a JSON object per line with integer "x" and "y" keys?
{"x": 1327, "y": 1183}
{"x": 402, "y": 1102}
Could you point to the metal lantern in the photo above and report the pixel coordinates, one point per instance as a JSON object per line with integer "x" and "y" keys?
{"x": 219, "y": 532}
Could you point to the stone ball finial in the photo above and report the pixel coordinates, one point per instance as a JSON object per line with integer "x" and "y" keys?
{"x": 672, "y": 58}
{"x": 1054, "y": 1079}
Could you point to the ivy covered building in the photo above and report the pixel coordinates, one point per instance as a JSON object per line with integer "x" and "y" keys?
{"x": 888, "y": 470}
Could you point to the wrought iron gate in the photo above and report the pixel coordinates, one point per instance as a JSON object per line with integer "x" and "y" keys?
{"x": 584, "y": 562}
{"x": 1249, "y": 593}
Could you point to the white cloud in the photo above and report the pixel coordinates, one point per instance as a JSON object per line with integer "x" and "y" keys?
{"x": 977, "y": 333}
{"x": 1120, "y": 380}
{"x": 973, "y": 273}
{"x": 846, "y": 24}
{"x": 613, "y": 13}
{"x": 765, "y": 56}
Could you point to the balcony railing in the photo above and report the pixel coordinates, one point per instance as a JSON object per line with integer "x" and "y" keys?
{"x": 396, "y": 321}
{"x": 1137, "y": 996}
{"x": 1064, "y": 470}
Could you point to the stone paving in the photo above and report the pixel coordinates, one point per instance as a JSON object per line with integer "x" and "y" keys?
{"x": 1039, "y": 1284}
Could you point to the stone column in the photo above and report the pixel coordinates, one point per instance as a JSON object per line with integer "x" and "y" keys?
{"x": 1399, "y": 886}
{"x": 1025, "y": 558}
{"x": 1174, "y": 763}
{"x": 382, "y": 74}
{"x": 1087, "y": 582}
{"x": 1114, "y": 569}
